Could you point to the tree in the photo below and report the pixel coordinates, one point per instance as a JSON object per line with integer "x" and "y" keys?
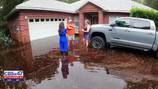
{"x": 5, "y": 7}
{"x": 8, "y": 5}
{"x": 151, "y": 3}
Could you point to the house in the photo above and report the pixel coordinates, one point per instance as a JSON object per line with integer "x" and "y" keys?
{"x": 36, "y": 19}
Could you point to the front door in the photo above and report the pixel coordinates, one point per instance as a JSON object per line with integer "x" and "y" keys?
{"x": 92, "y": 17}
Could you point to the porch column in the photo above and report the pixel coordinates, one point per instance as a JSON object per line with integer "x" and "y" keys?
{"x": 101, "y": 17}
{"x": 81, "y": 20}
{"x": 81, "y": 24}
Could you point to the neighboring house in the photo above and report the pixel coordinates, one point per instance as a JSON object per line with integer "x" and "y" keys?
{"x": 36, "y": 19}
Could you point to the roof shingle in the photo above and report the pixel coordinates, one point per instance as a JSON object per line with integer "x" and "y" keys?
{"x": 54, "y": 5}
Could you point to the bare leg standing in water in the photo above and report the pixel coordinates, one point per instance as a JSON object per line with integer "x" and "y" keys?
{"x": 86, "y": 33}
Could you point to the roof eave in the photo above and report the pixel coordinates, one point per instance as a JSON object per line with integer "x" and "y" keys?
{"x": 43, "y": 9}
{"x": 116, "y": 11}
{"x": 47, "y": 9}
{"x": 13, "y": 11}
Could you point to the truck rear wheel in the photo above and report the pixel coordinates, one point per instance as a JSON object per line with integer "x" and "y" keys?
{"x": 98, "y": 42}
{"x": 156, "y": 54}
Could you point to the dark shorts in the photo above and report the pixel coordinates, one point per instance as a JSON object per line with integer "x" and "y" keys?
{"x": 66, "y": 52}
{"x": 86, "y": 35}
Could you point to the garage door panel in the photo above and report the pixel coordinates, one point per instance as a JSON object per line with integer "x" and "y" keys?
{"x": 43, "y": 29}
{"x": 39, "y": 31}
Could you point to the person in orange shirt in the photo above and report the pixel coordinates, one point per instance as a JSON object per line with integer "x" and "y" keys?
{"x": 70, "y": 34}
{"x": 70, "y": 30}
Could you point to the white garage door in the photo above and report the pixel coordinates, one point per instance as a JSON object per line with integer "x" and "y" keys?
{"x": 112, "y": 18}
{"x": 40, "y": 28}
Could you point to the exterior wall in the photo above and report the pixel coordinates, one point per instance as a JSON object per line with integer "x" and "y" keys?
{"x": 89, "y": 7}
{"x": 25, "y": 52}
{"x": 34, "y": 13}
{"x": 13, "y": 25}
{"x": 24, "y": 29}
{"x": 21, "y": 22}
{"x": 106, "y": 19}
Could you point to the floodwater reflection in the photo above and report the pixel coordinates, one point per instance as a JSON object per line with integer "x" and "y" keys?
{"x": 77, "y": 77}
{"x": 65, "y": 67}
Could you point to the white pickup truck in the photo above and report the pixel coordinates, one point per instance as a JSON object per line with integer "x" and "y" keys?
{"x": 128, "y": 32}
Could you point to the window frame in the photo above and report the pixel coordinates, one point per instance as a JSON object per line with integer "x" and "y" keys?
{"x": 56, "y": 19}
{"x": 59, "y": 19}
{"x": 37, "y": 20}
{"x": 42, "y": 20}
{"x": 47, "y": 19}
{"x": 31, "y": 20}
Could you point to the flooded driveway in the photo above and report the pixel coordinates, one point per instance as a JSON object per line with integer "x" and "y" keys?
{"x": 117, "y": 68}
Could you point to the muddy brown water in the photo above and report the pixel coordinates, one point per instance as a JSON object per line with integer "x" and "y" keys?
{"x": 44, "y": 68}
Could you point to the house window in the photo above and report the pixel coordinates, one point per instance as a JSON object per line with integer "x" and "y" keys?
{"x": 42, "y": 20}
{"x": 76, "y": 25}
{"x": 52, "y": 19}
{"x": 31, "y": 20}
{"x": 47, "y": 20}
{"x": 56, "y": 19}
{"x": 59, "y": 19}
{"x": 76, "y": 22}
{"x": 36, "y": 20}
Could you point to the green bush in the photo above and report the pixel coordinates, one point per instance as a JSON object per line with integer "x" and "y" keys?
{"x": 145, "y": 13}
{"x": 5, "y": 39}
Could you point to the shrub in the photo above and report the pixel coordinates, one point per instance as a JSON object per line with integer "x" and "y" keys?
{"x": 5, "y": 39}
{"x": 145, "y": 13}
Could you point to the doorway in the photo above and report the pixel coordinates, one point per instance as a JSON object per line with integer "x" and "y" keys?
{"x": 92, "y": 17}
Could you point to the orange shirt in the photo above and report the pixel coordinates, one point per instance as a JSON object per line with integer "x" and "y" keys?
{"x": 70, "y": 29}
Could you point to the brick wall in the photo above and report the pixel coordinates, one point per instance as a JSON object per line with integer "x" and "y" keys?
{"x": 89, "y": 7}
{"x": 34, "y": 13}
{"x": 13, "y": 25}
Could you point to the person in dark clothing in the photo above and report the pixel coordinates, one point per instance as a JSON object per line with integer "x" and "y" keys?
{"x": 65, "y": 67}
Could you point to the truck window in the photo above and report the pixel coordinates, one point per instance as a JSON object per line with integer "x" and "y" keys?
{"x": 122, "y": 22}
{"x": 140, "y": 24}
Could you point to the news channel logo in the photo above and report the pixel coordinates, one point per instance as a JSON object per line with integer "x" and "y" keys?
{"x": 13, "y": 75}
